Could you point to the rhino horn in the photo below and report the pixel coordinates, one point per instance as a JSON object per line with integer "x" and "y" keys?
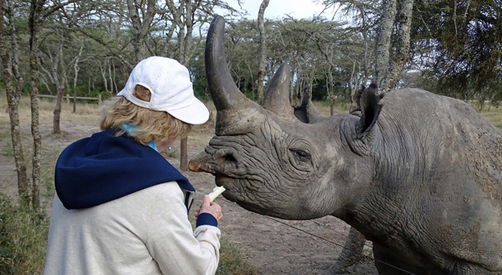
{"x": 225, "y": 94}
{"x": 236, "y": 114}
{"x": 277, "y": 97}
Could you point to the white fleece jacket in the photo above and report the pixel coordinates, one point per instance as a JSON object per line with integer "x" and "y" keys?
{"x": 146, "y": 232}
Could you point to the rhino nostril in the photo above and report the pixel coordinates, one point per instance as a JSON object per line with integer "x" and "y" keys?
{"x": 229, "y": 158}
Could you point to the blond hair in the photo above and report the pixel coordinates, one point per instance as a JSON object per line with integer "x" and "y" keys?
{"x": 150, "y": 125}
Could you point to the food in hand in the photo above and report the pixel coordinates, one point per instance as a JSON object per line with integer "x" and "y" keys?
{"x": 216, "y": 192}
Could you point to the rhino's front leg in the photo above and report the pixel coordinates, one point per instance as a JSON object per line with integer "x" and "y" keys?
{"x": 352, "y": 252}
{"x": 388, "y": 264}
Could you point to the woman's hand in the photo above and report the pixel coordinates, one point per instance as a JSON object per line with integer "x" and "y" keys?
{"x": 210, "y": 208}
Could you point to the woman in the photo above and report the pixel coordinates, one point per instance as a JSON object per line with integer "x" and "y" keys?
{"x": 120, "y": 207}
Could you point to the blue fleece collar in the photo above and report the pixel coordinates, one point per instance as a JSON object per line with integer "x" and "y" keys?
{"x": 128, "y": 128}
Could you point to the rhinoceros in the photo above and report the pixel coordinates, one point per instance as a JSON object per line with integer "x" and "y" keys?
{"x": 418, "y": 174}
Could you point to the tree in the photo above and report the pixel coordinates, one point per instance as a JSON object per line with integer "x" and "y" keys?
{"x": 314, "y": 48}
{"x": 38, "y": 14}
{"x": 459, "y": 44}
{"x": 241, "y": 40}
{"x": 141, "y": 14}
{"x": 383, "y": 45}
{"x": 262, "y": 52}
{"x": 35, "y": 22}
{"x": 390, "y": 22}
{"x": 9, "y": 53}
{"x": 387, "y": 70}
{"x": 76, "y": 70}
{"x": 55, "y": 69}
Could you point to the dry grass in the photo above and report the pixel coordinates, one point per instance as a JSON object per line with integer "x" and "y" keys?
{"x": 494, "y": 116}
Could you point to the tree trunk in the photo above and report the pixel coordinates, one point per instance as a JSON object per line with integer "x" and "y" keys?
{"x": 262, "y": 52}
{"x": 330, "y": 88}
{"x": 384, "y": 39}
{"x": 184, "y": 46}
{"x": 102, "y": 67}
{"x": 111, "y": 76}
{"x": 402, "y": 47}
{"x": 59, "y": 82}
{"x": 184, "y": 154}
{"x": 13, "y": 98}
{"x": 76, "y": 69}
{"x": 35, "y": 22}
{"x": 56, "y": 129}
{"x": 353, "y": 81}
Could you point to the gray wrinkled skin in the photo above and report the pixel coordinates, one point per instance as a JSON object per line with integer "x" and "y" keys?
{"x": 418, "y": 174}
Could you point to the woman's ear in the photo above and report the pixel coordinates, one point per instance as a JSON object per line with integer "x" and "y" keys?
{"x": 142, "y": 93}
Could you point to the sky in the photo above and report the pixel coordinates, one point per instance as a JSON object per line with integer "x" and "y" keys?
{"x": 278, "y": 8}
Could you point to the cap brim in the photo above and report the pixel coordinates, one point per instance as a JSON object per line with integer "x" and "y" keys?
{"x": 195, "y": 113}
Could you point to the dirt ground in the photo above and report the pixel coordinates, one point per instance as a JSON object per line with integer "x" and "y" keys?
{"x": 273, "y": 246}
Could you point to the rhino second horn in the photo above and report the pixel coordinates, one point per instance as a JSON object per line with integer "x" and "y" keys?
{"x": 225, "y": 94}
{"x": 277, "y": 98}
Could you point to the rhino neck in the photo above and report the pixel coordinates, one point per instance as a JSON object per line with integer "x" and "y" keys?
{"x": 373, "y": 203}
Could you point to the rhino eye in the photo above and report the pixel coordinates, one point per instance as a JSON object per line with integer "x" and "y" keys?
{"x": 300, "y": 155}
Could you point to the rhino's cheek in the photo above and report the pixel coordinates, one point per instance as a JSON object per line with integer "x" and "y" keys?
{"x": 244, "y": 192}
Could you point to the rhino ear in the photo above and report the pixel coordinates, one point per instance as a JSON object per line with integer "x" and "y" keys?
{"x": 370, "y": 106}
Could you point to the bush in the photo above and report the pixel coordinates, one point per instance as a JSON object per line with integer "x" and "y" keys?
{"x": 23, "y": 239}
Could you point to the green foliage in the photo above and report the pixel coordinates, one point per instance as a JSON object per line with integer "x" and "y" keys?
{"x": 320, "y": 89}
{"x": 8, "y": 152}
{"x": 23, "y": 239}
{"x": 198, "y": 70}
{"x": 241, "y": 49}
{"x": 462, "y": 45}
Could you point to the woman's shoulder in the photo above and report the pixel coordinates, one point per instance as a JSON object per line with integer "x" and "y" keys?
{"x": 161, "y": 191}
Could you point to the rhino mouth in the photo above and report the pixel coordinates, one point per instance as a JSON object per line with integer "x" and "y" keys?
{"x": 239, "y": 180}
{"x": 213, "y": 161}
{"x": 196, "y": 165}
{"x": 221, "y": 165}
{"x": 221, "y": 179}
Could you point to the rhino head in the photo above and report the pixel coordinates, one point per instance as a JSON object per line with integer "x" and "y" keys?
{"x": 277, "y": 160}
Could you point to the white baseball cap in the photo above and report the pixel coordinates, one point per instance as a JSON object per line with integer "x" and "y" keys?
{"x": 170, "y": 87}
